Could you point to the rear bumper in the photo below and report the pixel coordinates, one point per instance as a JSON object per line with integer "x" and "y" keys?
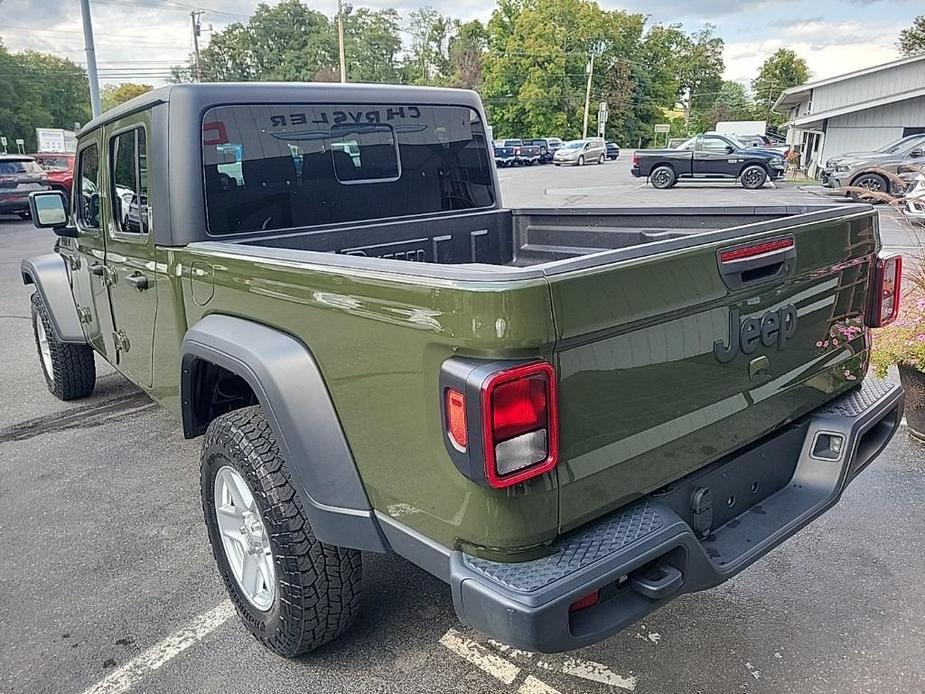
{"x": 635, "y": 171}
{"x": 14, "y": 202}
{"x": 647, "y": 553}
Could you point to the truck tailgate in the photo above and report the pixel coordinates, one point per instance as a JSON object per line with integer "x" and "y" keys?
{"x": 671, "y": 360}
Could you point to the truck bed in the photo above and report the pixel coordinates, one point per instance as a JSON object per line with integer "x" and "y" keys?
{"x": 537, "y": 238}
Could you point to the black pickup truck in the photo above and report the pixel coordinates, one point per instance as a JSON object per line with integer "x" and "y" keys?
{"x": 709, "y": 156}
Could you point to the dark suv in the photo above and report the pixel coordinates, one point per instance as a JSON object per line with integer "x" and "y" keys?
{"x": 19, "y": 176}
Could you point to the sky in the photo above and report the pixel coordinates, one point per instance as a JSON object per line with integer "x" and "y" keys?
{"x": 137, "y": 40}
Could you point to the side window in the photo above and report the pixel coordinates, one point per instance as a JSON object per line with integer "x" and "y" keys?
{"x": 88, "y": 196}
{"x": 714, "y": 144}
{"x": 129, "y": 166}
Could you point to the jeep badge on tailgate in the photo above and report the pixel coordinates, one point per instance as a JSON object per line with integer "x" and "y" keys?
{"x": 774, "y": 328}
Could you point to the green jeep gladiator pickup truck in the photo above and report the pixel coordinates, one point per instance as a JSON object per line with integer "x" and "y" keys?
{"x": 571, "y": 416}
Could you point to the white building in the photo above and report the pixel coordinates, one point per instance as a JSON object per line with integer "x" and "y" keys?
{"x": 857, "y": 112}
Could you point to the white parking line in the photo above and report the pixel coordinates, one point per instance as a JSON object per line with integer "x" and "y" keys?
{"x": 130, "y": 674}
{"x": 597, "y": 672}
{"x": 531, "y": 685}
{"x": 481, "y": 657}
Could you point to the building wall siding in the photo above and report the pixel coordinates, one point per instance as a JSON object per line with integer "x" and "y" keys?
{"x": 863, "y": 131}
{"x": 894, "y": 80}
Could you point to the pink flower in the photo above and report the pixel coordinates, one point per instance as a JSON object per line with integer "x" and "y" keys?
{"x": 835, "y": 342}
{"x": 819, "y": 344}
{"x": 920, "y": 338}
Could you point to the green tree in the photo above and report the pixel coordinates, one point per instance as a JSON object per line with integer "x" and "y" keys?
{"x": 114, "y": 94}
{"x": 372, "y": 43}
{"x": 428, "y": 60}
{"x": 700, "y": 68}
{"x": 535, "y": 68}
{"x": 781, "y": 71}
{"x": 733, "y": 102}
{"x": 912, "y": 40}
{"x": 286, "y": 42}
{"x": 467, "y": 55}
{"x": 40, "y": 91}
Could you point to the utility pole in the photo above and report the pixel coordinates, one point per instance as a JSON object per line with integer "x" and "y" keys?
{"x": 91, "y": 58}
{"x": 590, "y": 71}
{"x": 194, "y": 16}
{"x": 340, "y": 40}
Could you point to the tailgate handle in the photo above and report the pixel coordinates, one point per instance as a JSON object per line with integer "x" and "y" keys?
{"x": 745, "y": 265}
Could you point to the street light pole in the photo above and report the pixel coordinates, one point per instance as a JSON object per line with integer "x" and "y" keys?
{"x": 91, "y": 58}
{"x": 584, "y": 128}
{"x": 340, "y": 40}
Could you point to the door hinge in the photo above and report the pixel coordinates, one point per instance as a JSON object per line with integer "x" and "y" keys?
{"x": 74, "y": 262}
{"x": 121, "y": 341}
{"x": 84, "y": 315}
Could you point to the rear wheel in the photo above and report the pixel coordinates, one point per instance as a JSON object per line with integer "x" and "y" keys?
{"x": 601, "y": 159}
{"x": 293, "y": 592}
{"x": 69, "y": 369}
{"x": 663, "y": 177}
{"x": 874, "y": 183}
{"x": 581, "y": 160}
{"x": 753, "y": 177}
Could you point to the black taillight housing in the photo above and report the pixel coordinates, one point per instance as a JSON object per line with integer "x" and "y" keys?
{"x": 886, "y": 290}
{"x": 500, "y": 419}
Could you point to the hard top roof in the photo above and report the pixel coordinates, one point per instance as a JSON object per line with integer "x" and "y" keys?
{"x": 218, "y": 93}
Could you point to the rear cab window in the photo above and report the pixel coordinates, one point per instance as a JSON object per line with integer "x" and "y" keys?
{"x": 19, "y": 166}
{"x": 270, "y": 167}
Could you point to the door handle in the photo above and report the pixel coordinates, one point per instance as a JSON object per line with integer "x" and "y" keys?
{"x": 98, "y": 269}
{"x": 139, "y": 281}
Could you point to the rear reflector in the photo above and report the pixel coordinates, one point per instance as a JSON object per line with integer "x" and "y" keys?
{"x": 757, "y": 249}
{"x": 590, "y": 600}
{"x": 519, "y": 424}
{"x": 456, "y": 419}
{"x": 887, "y": 285}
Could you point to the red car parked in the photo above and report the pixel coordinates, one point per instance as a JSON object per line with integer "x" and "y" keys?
{"x": 60, "y": 169}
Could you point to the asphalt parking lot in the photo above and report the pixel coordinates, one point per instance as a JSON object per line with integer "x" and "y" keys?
{"x": 108, "y": 583}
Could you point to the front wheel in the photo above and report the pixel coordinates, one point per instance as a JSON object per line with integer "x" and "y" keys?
{"x": 293, "y": 592}
{"x": 753, "y": 177}
{"x": 69, "y": 369}
{"x": 581, "y": 160}
{"x": 876, "y": 184}
{"x": 663, "y": 177}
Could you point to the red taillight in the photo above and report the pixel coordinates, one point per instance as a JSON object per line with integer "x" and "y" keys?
{"x": 635, "y": 158}
{"x": 590, "y": 600}
{"x": 887, "y": 284}
{"x": 757, "y": 249}
{"x": 519, "y": 424}
{"x": 456, "y": 419}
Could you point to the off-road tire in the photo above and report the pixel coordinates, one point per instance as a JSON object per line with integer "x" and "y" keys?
{"x": 73, "y": 369}
{"x": 663, "y": 177}
{"x": 753, "y": 177}
{"x": 317, "y": 585}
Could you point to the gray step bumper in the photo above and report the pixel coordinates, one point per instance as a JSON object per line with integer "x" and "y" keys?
{"x": 647, "y": 553}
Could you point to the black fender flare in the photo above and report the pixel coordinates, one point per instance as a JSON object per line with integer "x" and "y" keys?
{"x": 49, "y": 275}
{"x": 291, "y": 390}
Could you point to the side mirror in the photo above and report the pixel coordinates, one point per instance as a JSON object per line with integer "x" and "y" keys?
{"x": 916, "y": 153}
{"x": 730, "y": 149}
{"x": 49, "y": 211}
